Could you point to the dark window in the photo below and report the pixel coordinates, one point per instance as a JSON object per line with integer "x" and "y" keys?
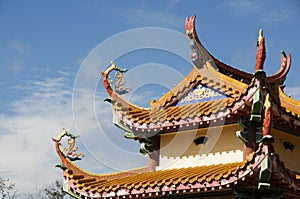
{"x": 200, "y": 140}
{"x": 288, "y": 145}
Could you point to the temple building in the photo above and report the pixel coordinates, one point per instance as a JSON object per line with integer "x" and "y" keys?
{"x": 219, "y": 133}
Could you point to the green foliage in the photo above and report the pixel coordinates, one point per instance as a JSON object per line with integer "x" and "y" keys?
{"x": 53, "y": 191}
{"x": 7, "y": 189}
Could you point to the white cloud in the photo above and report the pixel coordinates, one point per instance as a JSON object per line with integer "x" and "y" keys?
{"x": 102, "y": 140}
{"x": 25, "y": 135}
{"x": 6, "y": 127}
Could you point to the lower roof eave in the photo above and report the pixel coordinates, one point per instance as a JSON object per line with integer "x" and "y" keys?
{"x": 188, "y": 182}
{"x": 227, "y": 116}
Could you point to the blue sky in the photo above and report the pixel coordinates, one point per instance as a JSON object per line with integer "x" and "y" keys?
{"x": 44, "y": 46}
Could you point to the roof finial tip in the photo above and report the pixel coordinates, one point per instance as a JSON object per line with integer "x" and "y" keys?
{"x": 260, "y": 36}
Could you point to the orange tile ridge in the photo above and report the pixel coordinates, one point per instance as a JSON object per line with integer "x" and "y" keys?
{"x": 290, "y": 104}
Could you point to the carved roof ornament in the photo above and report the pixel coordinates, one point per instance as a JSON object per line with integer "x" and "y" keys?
{"x": 119, "y": 85}
{"x": 256, "y": 100}
{"x": 261, "y": 52}
{"x": 190, "y": 26}
{"x": 70, "y": 151}
{"x": 119, "y": 82}
{"x": 267, "y": 125}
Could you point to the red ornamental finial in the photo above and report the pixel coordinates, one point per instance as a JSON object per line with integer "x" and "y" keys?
{"x": 267, "y": 125}
{"x": 261, "y": 52}
{"x": 190, "y": 25}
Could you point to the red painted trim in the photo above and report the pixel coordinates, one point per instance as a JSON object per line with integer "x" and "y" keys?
{"x": 261, "y": 55}
{"x": 191, "y": 30}
{"x": 280, "y": 75}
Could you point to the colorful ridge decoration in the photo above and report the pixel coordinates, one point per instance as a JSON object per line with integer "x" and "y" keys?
{"x": 245, "y": 134}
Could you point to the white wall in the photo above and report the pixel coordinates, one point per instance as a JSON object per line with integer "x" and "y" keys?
{"x": 178, "y": 149}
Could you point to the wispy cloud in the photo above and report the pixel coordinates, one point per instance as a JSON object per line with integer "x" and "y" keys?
{"x": 25, "y": 134}
{"x": 45, "y": 96}
{"x": 100, "y": 137}
{"x": 16, "y": 53}
{"x": 7, "y": 128}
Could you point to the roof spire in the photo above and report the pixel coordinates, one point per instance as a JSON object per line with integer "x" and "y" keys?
{"x": 261, "y": 52}
{"x": 260, "y": 36}
{"x": 190, "y": 26}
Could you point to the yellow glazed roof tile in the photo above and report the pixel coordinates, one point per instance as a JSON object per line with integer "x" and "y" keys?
{"x": 139, "y": 180}
{"x": 158, "y": 178}
{"x": 290, "y": 105}
{"x": 177, "y": 112}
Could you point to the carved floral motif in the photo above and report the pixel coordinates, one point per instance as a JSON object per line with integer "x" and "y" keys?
{"x": 200, "y": 93}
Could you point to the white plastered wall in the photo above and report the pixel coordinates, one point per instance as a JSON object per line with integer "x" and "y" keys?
{"x": 291, "y": 159}
{"x": 178, "y": 149}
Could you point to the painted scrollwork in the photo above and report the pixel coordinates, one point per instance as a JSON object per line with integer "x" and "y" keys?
{"x": 71, "y": 150}
{"x": 120, "y": 87}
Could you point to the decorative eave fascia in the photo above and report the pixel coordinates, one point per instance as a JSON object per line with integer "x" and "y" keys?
{"x": 204, "y": 73}
{"x": 211, "y": 118}
{"x": 85, "y": 185}
{"x": 236, "y": 90}
{"x": 216, "y": 184}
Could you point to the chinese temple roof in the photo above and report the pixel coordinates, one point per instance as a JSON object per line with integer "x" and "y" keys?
{"x": 211, "y": 93}
{"x": 183, "y": 181}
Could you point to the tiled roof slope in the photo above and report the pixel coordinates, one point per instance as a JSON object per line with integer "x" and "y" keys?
{"x": 199, "y": 179}
{"x": 210, "y": 72}
{"x": 289, "y": 104}
{"x": 286, "y": 106}
{"x": 163, "y": 112}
